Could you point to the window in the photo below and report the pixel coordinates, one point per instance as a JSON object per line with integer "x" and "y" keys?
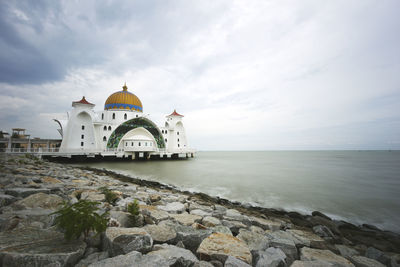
{"x": 109, "y": 128}
{"x": 162, "y": 131}
{"x": 102, "y": 116}
{"x": 165, "y": 140}
{"x": 132, "y": 144}
{"x": 145, "y": 143}
{"x": 104, "y": 138}
{"x": 177, "y": 133}
{"x": 113, "y": 116}
{"x": 165, "y": 131}
{"x": 81, "y": 143}
{"x": 178, "y": 145}
{"x": 139, "y": 143}
{"x": 178, "y": 139}
{"x": 83, "y": 127}
{"x": 105, "y": 128}
{"x": 125, "y": 116}
{"x": 137, "y": 116}
{"x": 126, "y": 144}
{"x": 82, "y": 136}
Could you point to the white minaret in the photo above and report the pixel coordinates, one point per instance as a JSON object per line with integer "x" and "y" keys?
{"x": 174, "y": 133}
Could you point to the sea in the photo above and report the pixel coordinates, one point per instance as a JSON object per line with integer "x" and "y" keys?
{"x": 355, "y": 186}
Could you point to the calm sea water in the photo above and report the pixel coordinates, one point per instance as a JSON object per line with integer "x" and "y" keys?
{"x": 360, "y": 187}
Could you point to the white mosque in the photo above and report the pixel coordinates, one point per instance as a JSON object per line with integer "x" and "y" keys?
{"x": 121, "y": 130}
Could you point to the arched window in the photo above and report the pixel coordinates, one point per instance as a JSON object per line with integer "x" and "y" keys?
{"x": 177, "y": 133}
{"x": 102, "y": 116}
{"x": 139, "y": 143}
{"x": 113, "y": 116}
{"x": 145, "y": 143}
{"x": 81, "y": 143}
{"x": 132, "y": 144}
{"x": 137, "y": 115}
{"x": 109, "y": 128}
{"x": 165, "y": 140}
{"x": 82, "y": 136}
{"x": 105, "y": 128}
{"x": 178, "y": 145}
{"x": 126, "y": 144}
{"x": 165, "y": 131}
{"x": 104, "y": 138}
{"x": 83, "y": 127}
{"x": 162, "y": 131}
{"x": 125, "y": 116}
{"x": 178, "y": 139}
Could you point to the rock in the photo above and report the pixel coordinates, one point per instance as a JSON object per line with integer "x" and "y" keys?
{"x": 93, "y": 196}
{"x": 161, "y": 233}
{"x": 123, "y": 240}
{"x": 273, "y": 257}
{"x": 132, "y": 259}
{"x": 305, "y": 238}
{"x": 287, "y": 246}
{"x": 174, "y": 256}
{"x": 234, "y": 262}
{"x": 332, "y": 225}
{"x": 314, "y": 263}
{"x": 272, "y": 225}
{"x": 201, "y": 213}
{"x": 41, "y": 200}
{"x": 196, "y": 206}
{"x": 377, "y": 255}
{"x": 309, "y": 254}
{"x": 232, "y": 214}
{"x": 94, "y": 257}
{"x": 174, "y": 207}
{"x": 234, "y": 226}
{"x": 123, "y": 218}
{"x": 221, "y": 229}
{"x": 360, "y": 261}
{"x": 346, "y": 251}
{"x": 256, "y": 229}
{"x": 154, "y": 198}
{"x": 24, "y": 192}
{"x": 203, "y": 264}
{"x": 219, "y": 246}
{"x": 323, "y": 231}
{"x": 6, "y": 200}
{"x": 28, "y": 217}
{"x": 253, "y": 240}
{"x": 190, "y": 237}
{"x": 34, "y": 247}
{"x": 50, "y": 180}
{"x": 210, "y": 221}
{"x": 186, "y": 218}
{"x": 152, "y": 215}
{"x": 320, "y": 214}
{"x": 395, "y": 260}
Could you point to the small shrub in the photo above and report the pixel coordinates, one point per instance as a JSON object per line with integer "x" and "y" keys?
{"x": 79, "y": 218}
{"x": 133, "y": 209}
{"x": 109, "y": 195}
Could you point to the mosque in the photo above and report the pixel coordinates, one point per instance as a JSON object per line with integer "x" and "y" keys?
{"x": 121, "y": 130}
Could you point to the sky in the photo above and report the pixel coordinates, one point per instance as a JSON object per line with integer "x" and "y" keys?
{"x": 247, "y": 75}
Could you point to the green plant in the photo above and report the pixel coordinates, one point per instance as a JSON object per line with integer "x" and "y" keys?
{"x": 110, "y": 196}
{"x": 133, "y": 209}
{"x": 80, "y": 217}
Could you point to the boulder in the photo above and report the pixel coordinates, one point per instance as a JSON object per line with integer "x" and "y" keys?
{"x": 94, "y": 257}
{"x": 346, "y": 251}
{"x": 161, "y": 233}
{"x": 377, "y": 255}
{"x": 232, "y": 214}
{"x": 201, "y": 213}
{"x": 203, "y": 264}
{"x": 196, "y": 206}
{"x": 287, "y": 246}
{"x": 234, "y": 262}
{"x": 273, "y": 225}
{"x": 234, "y": 226}
{"x": 123, "y": 218}
{"x": 132, "y": 259}
{"x": 395, "y": 260}
{"x": 323, "y": 231}
{"x": 175, "y": 256}
{"x": 24, "y": 192}
{"x": 210, "y": 221}
{"x": 6, "y": 200}
{"x": 41, "y": 200}
{"x": 152, "y": 215}
{"x": 253, "y": 240}
{"x": 93, "y": 196}
{"x": 221, "y": 229}
{"x": 50, "y": 180}
{"x": 273, "y": 257}
{"x": 360, "y": 261}
{"x": 186, "y": 218}
{"x": 35, "y": 247}
{"x": 119, "y": 240}
{"x": 305, "y": 238}
{"x": 191, "y": 237}
{"x": 173, "y": 207}
{"x": 309, "y": 254}
{"x": 314, "y": 263}
{"x": 40, "y": 218}
{"x": 219, "y": 246}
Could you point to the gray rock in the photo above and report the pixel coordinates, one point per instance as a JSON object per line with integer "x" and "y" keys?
{"x": 94, "y": 257}
{"x": 152, "y": 215}
{"x": 161, "y": 233}
{"x": 132, "y": 259}
{"x": 313, "y": 263}
{"x": 309, "y": 254}
{"x": 305, "y": 238}
{"x": 6, "y": 200}
{"x": 203, "y": 264}
{"x": 346, "y": 251}
{"x": 234, "y": 262}
{"x": 24, "y": 192}
{"x": 395, "y": 260}
{"x": 232, "y": 214}
{"x": 123, "y": 240}
{"x": 34, "y": 247}
{"x": 174, "y": 207}
{"x": 201, "y": 213}
{"x": 273, "y": 225}
{"x": 288, "y": 247}
{"x": 360, "y": 261}
{"x": 221, "y": 229}
{"x": 190, "y": 237}
{"x": 234, "y": 226}
{"x": 122, "y": 218}
{"x": 273, "y": 257}
{"x": 35, "y": 217}
{"x": 210, "y": 221}
{"x": 40, "y": 200}
{"x": 323, "y": 231}
{"x": 186, "y": 218}
{"x": 196, "y": 206}
{"x": 377, "y": 255}
{"x": 175, "y": 256}
{"x": 253, "y": 240}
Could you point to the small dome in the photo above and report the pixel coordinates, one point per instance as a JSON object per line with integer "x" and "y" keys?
{"x": 123, "y": 100}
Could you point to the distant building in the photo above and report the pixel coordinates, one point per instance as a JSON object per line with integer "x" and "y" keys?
{"x": 121, "y": 130}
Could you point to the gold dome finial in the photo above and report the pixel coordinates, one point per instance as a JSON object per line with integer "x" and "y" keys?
{"x": 125, "y": 87}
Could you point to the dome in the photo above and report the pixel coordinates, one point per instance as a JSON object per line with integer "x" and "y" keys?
{"x": 123, "y": 100}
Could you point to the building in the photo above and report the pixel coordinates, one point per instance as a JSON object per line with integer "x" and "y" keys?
{"x": 121, "y": 130}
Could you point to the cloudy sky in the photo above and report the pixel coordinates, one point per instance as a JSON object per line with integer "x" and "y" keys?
{"x": 247, "y": 75}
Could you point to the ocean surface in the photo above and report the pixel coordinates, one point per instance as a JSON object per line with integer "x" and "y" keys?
{"x": 357, "y": 186}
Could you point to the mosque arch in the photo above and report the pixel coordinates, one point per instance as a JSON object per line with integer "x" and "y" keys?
{"x": 125, "y": 127}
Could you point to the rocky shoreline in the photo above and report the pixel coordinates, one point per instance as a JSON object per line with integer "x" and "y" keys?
{"x": 174, "y": 228}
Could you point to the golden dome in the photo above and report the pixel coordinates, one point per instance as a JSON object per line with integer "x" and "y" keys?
{"x": 123, "y": 100}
